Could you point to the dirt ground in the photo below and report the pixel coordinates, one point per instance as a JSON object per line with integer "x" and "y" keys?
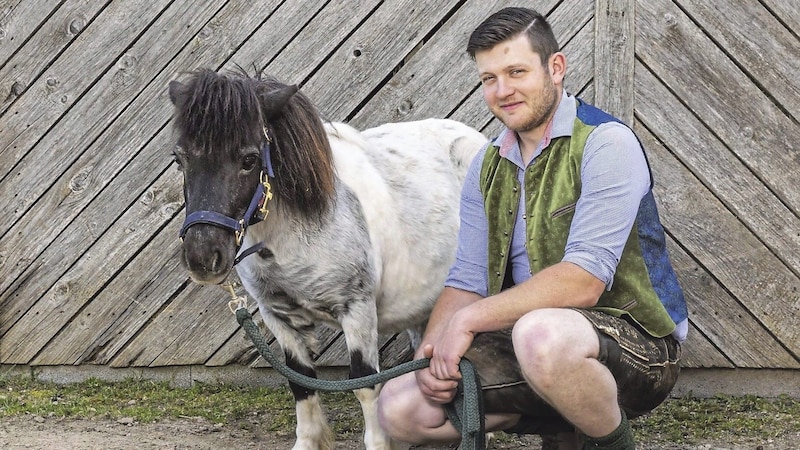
{"x": 34, "y": 432}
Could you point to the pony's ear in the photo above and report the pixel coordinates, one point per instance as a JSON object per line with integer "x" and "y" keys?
{"x": 275, "y": 100}
{"x": 176, "y": 88}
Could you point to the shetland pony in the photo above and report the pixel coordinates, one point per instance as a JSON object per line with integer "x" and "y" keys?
{"x": 354, "y": 230}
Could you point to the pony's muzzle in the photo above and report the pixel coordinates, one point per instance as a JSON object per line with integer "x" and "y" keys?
{"x": 208, "y": 254}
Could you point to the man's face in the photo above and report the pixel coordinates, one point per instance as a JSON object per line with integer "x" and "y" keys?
{"x": 518, "y": 89}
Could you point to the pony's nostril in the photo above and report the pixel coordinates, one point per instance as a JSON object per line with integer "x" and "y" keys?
{"x": 216, "y": 262}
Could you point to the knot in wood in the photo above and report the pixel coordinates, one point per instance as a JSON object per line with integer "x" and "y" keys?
{"x": 76, "y": 25}
{"x": 79, "y": 182}
{"x": 17, "y": 88}
{"x": 61, "y": 291}
{"x": 405, "y": 107}
{"x": 670, "y": 20}
{"x": 127, "y": 62}
{"x": 205, "y": 33}
{"x": 147, "y": 198}
{"x": 2, "y": 33}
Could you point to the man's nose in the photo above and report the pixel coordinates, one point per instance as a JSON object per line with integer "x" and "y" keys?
{"x": 504, "y": 88}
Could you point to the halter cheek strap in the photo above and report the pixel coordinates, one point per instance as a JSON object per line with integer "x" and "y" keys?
{"x": 256, "y": 210}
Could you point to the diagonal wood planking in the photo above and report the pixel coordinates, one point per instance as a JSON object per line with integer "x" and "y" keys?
{"x": 55, "y": 27}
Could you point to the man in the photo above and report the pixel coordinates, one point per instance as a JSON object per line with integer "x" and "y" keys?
{"x": 560, "y": 242}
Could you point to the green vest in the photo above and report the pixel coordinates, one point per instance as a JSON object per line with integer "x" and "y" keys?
{"x": 552, "y": 188}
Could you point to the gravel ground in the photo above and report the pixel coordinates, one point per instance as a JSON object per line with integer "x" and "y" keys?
{"x": 34, "y": 432}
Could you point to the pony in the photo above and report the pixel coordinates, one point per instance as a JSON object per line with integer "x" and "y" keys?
{"x": 355, "y": 230}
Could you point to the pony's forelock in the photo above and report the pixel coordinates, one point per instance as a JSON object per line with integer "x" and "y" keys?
{"x": 216, "y": 111}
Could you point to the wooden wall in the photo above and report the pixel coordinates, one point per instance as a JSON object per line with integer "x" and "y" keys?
{"x": 91, "y": 204}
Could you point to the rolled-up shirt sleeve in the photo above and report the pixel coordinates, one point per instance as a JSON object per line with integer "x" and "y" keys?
{"x": 469, "y": 272}
{"x": 614, "y": 178}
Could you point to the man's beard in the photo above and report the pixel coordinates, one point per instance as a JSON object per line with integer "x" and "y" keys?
{"x": 540, "y": 115}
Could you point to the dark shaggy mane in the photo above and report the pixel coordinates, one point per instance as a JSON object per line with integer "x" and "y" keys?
{"x": 226, "y": 112}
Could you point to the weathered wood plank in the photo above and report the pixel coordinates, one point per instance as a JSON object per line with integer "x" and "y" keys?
{"x": 57, "y": 303}
{"x": 34, "y": 27}
{"x": 724, "y": 98}
{"x": 728, "y": 250}
{"x": 786, "y": 12}
{"x": 187, "y": 331}
{"x": 18, "y": 20}
{"x": 368, "y": 56}
{"x": 614, "y": 54}
{"x": 699, "y": 352}
{"x": 292, "y": 58}
{"x": 772, "y": 62}
{"x": 113, "y": 315}
{"x": 93, "y": 53}
{"x": 114, "y": 91}
{"x": 719, "y": 316}
{"x": 396, "y": 350}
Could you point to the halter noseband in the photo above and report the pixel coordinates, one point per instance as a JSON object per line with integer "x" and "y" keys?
{"x": 256, "y": 211}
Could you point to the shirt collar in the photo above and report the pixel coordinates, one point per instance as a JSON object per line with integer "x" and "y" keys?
{"x": 561, "y": 125}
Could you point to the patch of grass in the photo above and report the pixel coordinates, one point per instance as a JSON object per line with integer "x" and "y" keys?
{"x": 683, "y": 420}
{"x": 688, "y": 419}
{"x": 144, "y": 401}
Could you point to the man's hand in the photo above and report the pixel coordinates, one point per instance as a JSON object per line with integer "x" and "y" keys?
{"x": 449, "y": 348}
{"x": 435, "y": 389}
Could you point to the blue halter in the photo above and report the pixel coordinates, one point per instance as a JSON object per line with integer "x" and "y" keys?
{"x": 256, "y": 211}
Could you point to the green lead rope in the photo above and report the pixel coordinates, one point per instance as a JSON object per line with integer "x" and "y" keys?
{"x": 465, "y": 411}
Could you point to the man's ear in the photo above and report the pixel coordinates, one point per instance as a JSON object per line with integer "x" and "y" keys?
{"x": 557, "y": 65}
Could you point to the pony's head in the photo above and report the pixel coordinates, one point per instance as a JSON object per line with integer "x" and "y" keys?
{"x": 241, "y": 139}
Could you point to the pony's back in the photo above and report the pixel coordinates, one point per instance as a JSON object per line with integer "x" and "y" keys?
{"x": 408, "y": 178}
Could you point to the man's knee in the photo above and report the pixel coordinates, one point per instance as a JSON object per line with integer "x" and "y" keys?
{"x": 545, "y": 341}
{"x": 390, "y": 407}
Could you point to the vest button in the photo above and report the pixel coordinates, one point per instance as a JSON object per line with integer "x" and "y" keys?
{"x": 498, "y": 274}
{"x": 510, "y": 211}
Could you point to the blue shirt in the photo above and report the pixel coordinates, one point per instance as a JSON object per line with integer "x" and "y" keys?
{"x": 614, "y": 178}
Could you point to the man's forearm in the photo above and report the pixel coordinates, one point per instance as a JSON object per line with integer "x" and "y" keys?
{"x": 450, "y": 301}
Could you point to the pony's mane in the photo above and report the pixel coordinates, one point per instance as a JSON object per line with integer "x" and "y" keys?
{"x": 226, "y": 112}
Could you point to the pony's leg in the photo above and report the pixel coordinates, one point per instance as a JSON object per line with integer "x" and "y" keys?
{"x": 313, "y": 431}
{"x": 360, "y": 329}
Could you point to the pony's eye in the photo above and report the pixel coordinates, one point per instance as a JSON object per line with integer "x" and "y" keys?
{"x": 249, "y": 162}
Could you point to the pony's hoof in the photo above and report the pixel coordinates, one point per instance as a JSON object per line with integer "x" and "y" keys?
{"x": 310, "y": 444}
